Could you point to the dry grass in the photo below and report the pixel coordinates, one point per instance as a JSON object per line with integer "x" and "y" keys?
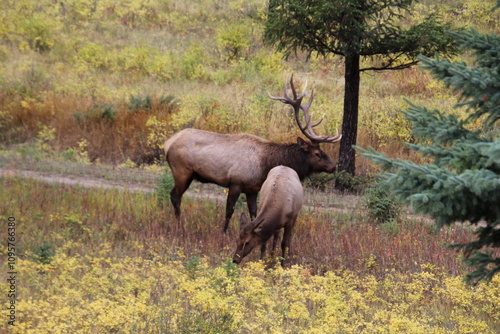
{"x": 342, "y": 236}
{"x": 165, "y": 54}
{"x": 123, "y": 264}
{"x": 116, "y": 252}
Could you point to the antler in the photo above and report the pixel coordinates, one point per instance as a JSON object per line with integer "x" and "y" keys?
{"x": 297, "y": 105}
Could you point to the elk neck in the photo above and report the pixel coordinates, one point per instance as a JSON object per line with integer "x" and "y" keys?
{"x": 290, "y": 155}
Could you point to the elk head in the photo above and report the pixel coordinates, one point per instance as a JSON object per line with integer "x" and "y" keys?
{"x": 248, "y": 239}
{"x": 319, "y": 159}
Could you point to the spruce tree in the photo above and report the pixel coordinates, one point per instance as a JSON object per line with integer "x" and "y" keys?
{"x": 461, "y": 182}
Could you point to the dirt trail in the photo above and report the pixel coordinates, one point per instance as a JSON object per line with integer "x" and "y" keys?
{"x": 96, "y": 182}
{"x": 73, "y": 180}
{"x": 348, "y": 203}
{"x": 314, "y": 202}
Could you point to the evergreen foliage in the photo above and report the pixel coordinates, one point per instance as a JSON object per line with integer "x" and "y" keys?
{"x": 366, "y": 28}
{"x": 382, "y": 205}
{"x": 462, "y": 181}
{"x": 377, "y": 29}
{"x": 165, "y": 184}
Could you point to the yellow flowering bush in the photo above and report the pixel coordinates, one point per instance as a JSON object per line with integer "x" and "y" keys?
{"x": 110, "y": 261}
{"x": 45, "y": 138}
{"x": 104, "y": 293}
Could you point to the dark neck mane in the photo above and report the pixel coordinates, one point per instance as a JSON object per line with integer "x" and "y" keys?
{"x": 290, "y": 155}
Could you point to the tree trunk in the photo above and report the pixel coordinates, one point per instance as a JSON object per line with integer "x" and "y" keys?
{"x": 347, "y": 156}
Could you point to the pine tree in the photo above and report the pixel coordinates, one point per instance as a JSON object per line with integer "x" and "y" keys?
{"x": 462, "y": 181}
{"x": 355, "y": 30}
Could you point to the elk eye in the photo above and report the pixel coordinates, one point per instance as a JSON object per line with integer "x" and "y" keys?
{"x": 317, "y": 154}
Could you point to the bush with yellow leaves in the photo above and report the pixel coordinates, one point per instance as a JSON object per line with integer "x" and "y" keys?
{"x": 102, "y": 293}
{"x": 111, "y": 261}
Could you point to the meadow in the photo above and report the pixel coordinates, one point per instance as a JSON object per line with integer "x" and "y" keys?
{"x": 104, "y": 261}
{"x": 116, "y": 78}
{"x": 93, "y": 88}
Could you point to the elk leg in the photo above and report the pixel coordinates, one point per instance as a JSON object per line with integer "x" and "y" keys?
{"x": 252, "y": 204}
{"x": 252, "y": 209}
{"x": 285, "y": 243}
{"x": 180, "y": 187}
{"x": 263, "y": 246}
{"x": 232, "y": 198}
{"x": 275, "y": 241}
{"x": 263, "y": 249}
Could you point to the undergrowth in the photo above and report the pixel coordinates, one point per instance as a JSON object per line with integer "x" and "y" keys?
{"x": 104, "y": 72}
{"x": 109, "y": 82}
{"x": 108, "y": 253}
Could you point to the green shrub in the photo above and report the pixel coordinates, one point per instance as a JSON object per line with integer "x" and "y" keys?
{"x": 94, "y": 55}
{"x": 391, "y": 226}
{"x": 234, "y": 40}
{"x": 135, "y": 59}
{"x": 44, "y": 254}
{"x": 383, "y": 207}
{"x": 70, "y": 154}
{"x": 137, "y": 103}
{"x": 39, "y": 33}
{"x": 165, "y": 184}
{"x": 193, "y": 266}
{"x": 193, "y": 63}
{"x": 319, "y": 181}
{"x": 352, "y": 183}
{"x": 45, "y": 139}
{"x": 162, "y": 67}
{"x": 98, "y": 113}
{"x": 169, "y": 103}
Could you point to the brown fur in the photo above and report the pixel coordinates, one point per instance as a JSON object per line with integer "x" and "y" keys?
{"x": 239, "y": 162}
{"x": 281, "y": 200}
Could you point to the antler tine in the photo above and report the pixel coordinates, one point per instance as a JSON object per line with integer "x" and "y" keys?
{"x": 335, "y": 138}
{"x": 305, "y": 109}
{"x": 318, "y": 122}
{"x": 309, "y": 127}
{"x": 310, "y": 98}
{"x": 304, "y": 91}
{"x": 297, "y": 105}
{"x": 294, "y": 92}
{"x": 295, "y": 102}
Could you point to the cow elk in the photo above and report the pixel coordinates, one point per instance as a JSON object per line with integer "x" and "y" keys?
{"x": 281, "y": 199}
{"x": 241, "y": 162}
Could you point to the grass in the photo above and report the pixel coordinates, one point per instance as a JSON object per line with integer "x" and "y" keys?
{"x": 345, "y": 235}
{"x": 26, "y": 157}
{"x": 82, "y": 86}
{"x": 78, "y": 72}
{"x": 117, "y": 243}
{"x": 344, "y": 239}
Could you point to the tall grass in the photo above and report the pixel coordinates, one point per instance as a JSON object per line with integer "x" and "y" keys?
{"x": 52, "y": 213}
{"x": 60, "y": 67}
{"x": 95, "y": 260}
{"x": 110, "y": 82}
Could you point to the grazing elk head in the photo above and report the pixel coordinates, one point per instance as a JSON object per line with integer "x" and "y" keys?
{"x": 319, "y": 159}
{"x": 248, "y": 239}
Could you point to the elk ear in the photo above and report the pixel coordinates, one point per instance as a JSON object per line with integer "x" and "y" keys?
{"x": 258, "y": 225}
{"x": 243, "y": 220}
{"x": 303, "y": 144}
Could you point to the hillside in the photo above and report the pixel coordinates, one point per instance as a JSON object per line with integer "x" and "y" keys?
{"x": 90, "y": 89}
{"x": 110, "y": 80}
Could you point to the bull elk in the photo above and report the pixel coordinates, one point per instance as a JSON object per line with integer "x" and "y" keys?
{"x": 241, "y": 162}
{"x": 281, "y": 199}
